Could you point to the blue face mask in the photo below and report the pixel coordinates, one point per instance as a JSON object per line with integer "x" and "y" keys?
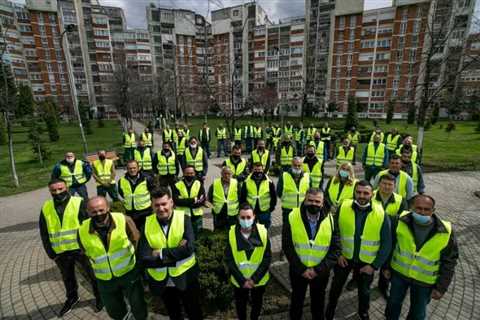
{"x": 246, "y": 223}
{"x": 421, "y": 219}
{"x": 343, "y": 174}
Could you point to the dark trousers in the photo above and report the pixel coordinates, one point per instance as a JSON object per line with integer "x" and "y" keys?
{"x": 340, "y": 277}
{"x": 241, "y": 300}
{"x": 249, "y": 145}
{"x": 81, "y": 190}
{"x": 206, "y": 147}
{"x": 317, "y": 295}
{"x": 114, "y": 292}
{"x": 111, "y": 190}
{"x": 139, "y": 219}
{"x": 285, "y": 213}
{"x": 167, "y": 180}
{"x": 265, "y": 218}
{"x": 327, "y": 149}
{"x": 371, "y": 172}
{"x": 66, "y": 263}
{"x": 419, "y": 299}
{"x": 197, "y": 224}
{"x": 221, "y": 145}
{"x": 189, "y": 298}
{"x": 128, "y": 154}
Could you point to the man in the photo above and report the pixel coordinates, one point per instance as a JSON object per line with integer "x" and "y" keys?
{"x": 221, "y": 134}
{"x": 403, "y": 182}
{"x": 59, "y": 221}
{"x": 413, "y": 170}
{"x": 205, "y": 138}
{"x": 299, "y": 135}
{"x": 248, "y": 256}
{"x": 181, "y": 145}
{"x": 408, "y": 142}
{"x": 313, "y": 166}
{"x": 424, "y": 259}
{"x": 354, "y": 137}
{"x": 189, "y": 196}
{"x": 366, "y": 244}
{"x": 166, "y": 165}
{"x": 320, "y": 150}
{"x": 377, "y": 131}
{"x": 237, "y": 164}
{"x": 259, "y": 191}
{"x": 237, "y": 135}
{"x": 168, "y": 135}
{"x": 393, "y": 140}
{"x": 288, "y": 130}
{"x": 257, "y": 134}
{"x": 195, "y": 156}
{"x": 326, "y": 134}
{"x": 129, "y": 145}
{"x": 268, "y": 136}
{"x": 186, "y": 131}
{"x": 345, "y": 153}
{"x": 147, "y": 138}
{"x": 260, "y": 154}
{"x": 224, "y": 195}
{"x": 292, "y": 187}
{"x": 374, "y": 158}
{"x": 311, "y": 132}
{"x": 76, "y": 173}
{"x": 311, "y": 243}
{"x": 248, "y": 137}
{"x": 134, "y": 188}
{"x": 104, "y": 174}
{"x": 109, "y": 240}
{"x": 285, "y": 153}
{"x": 144, "y": 157}
{"x": 277, "y": 134}
{"x": 166, "y": 250}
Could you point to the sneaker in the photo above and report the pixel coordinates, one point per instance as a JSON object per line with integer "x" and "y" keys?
{"x": 98, "y": 305}
{"x": 351, "y": 285}
{"x": 68, "y": 306}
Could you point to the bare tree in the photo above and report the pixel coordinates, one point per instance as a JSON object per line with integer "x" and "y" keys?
{"x": 266, "y": 99}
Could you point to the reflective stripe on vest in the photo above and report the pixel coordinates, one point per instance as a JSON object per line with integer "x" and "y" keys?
{"x": 262, "y": 194}
{"x": 277, "y": 132}
{"x": 262, "y": 159}
{"x": 168, "y": 135}
{"x": 219, "y": 199}
{"x": 382, "y": 136}
{"x": 415, "y": 176}
{"x": 315, "y": 174}
{"x": 310, "y": 133}
{"x": 120, "y": 256}
{"x": 353, "y": 138}
{"x": 238, "y": 169}
{"x": 194, "y": 191}
{"x": 62, "y": 234}
{"x": 237, "y": 134}
{"x": 207, "y": 131}
{"x": 310, "y": 252}
{"x": 67, "y": 176}
{"x": 370, "y": 239}
{"x": 319, "y": 148}
{"x": 145, "y": 160}
{"x": 147, "y": 139}
{"x": 326, "y": 134}
{"x": 104, "y": 171}
{"x": 257, "y": 133}
{"x": 248, "y": 266}
{"x": 392, "y": 142}
{"x": 337, "y": 197}
{"x": 422, "y": 265}
{"x": 344, "y": 158}
{"x": 138, "y": 199}
{"x": 129, "y": 140}
{"x": 166, "y": 166}
{"x": 221, "y": 133}
{"x": 181, "y": 146}
{"x": 375, "y": 157}
{"x": 292, "y": 197}
{"x": 414, "y": 152}
{"x": 400, "y": 182}
{"x": 286, "y": 157}
{"x": 197, "y": 163}
{"x": 299, "y": 135}
{"x": 157, "y": 241}
{"x": 288, "y": 131}
{"x": 392, "y": 207}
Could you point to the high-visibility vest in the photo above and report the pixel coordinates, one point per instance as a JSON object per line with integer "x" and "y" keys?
{"x": 275, "y": 141}
{"x": 129, "y": 140}
{"x": 286, "y": 157}
{"x": 238, "y": 169}
{"x": 315, "y": 174}
{"x": 382, "y": 135}
{"x": 268, "y": 133}
{"x": 221, "y": 133}
{"x": 288, "y": 131}
{"x": 292, "y": 197}
{"x": 337, "y": 197}
{"x": 277, "y": 132}
{"x": 181, "y": 146}
{"x": 414, "y": 152}
{"x": 370, "y": 239}
{"x": 319, "y": 148}
{"x": 261, "y": 194}
{"x": 400, "y": 184}
{"x": 248, "y": 132}
{"x": 103, "y": 171}
{"x": 257, "y": 133}
{"x": 248, "y": 266}
{"x": 196, "y": 162}
{"x": 207, "y": 133}
{"x": 422, "y": 265}
{"x": 256, "y": 157}
{"x": 311, "y": 133}
{"x": 194, "y": 191}
{"x": 67, "y": 176}
{"x": 62, "y": 234}
{"x": 138, "y": 199}
{"x": 145, "y": 160}
{"x": 118, "y": 259}
{"x": 353, "y": 138}
{"x": 414, "y": 176}
{"x": 157, "y": 241}
{"x": 166, "y": 165}
{"x": 168, "y": 135}
{"x": 325, "y": 136}
{"x": 231, "y": 199}
{"x": 186, "y": 133}
{"x": 392, "y": 142}
{"x": 344, "y": 158}
{"x": 237, "y": 134}
{"x": 375, "y": 157}
{"x": 147, "y": 139}
{"x": 392, "y": 207}
{"x": 311, "y": 252}
{"x": 299, "y": 135}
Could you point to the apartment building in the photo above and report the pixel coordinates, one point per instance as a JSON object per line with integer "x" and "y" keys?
{"x": 469, "y": 79}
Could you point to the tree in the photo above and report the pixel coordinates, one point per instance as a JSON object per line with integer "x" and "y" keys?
{"x": 49, "y": 112}
{"x": 25, "y": 102}
{"x": 435, "y": 114}
{"x": 3, "y": 133}
{"x": 331, "y": 107}
{"x": 411, "y": 113}
{"x": 265, "y": 99}
{"x": 35, "y": 136}
{"x": 352, "y": 118}
{"x": 85, "y": 117}
{"x": 390, "y": 111}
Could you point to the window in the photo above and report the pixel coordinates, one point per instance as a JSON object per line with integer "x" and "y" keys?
{"x": 380, "y": 68}
{"x": 349, "y": 60}
{"x": 413, "y": 55}
{"x": 403, "y": 28}
{"x": 353, "y": 21}
{"x": 382, "y": 56}
{"x": 341, "y": 22}
{"x": 395, "y": 83}
{"x": 378, "y": 93}
{"x": 235, "y": 13}
{"x": 415, "y": 40}
{"x": 416, "y": 26}
{"x": 352, "y": 35}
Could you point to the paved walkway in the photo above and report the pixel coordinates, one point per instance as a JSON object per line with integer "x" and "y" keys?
{"x": 31, "y": 287}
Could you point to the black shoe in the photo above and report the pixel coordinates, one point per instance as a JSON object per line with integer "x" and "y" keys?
{"x": 98, "y": 305}
{"x": 68, "y": 306}
{"x": 351, "y": 285}
{"x": 364, "y": 316}
{"x": 383, "y": 292}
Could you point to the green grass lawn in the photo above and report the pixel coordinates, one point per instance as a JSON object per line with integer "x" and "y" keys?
{"x": 31, "y": 174}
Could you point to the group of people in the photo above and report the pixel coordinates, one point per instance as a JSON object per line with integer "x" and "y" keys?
{"x": 342, "y": 226}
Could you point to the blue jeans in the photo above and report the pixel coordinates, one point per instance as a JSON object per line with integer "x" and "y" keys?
{"x": 81, "y": 190}
{"x": 419, "y": 299}
{"x": 221, "y": 145}
{"x": 206, "y": 147}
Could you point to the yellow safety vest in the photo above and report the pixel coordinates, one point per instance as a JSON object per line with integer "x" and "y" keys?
{"x": 344, "y": 158}
{"x": 221, "y": 134}
{"x": 261, "y": 194}
{"x": 129, "y": 140}
{"x": 286, "y": 157}
{"x": 248, "y": 132}
{"x": 145, "y": 160}
{"x": 276, "y": 132}
{"x": 370, "y": 239}
{"x": 119, "y": 259}
{"x": 392, "y": 207}
{"x": 310, "y": 252}
{"x": 353, "y": 138}
{"x": 263, "y": 159}
{"x": 157, "y": 241}
{"x": 316, "y": 173}
{"x": 414, "y": 176}
{"x": 299, "y": 135}
{"x": 319, "y": 148}
{"x": 414, "y": 152}
{"x": 219, "y": 198}
{"x": 268, "y": 133}
{"x": 392, "y": 142}
{"x": 237, "y": 134}
{"x": 67, "y": 176}
{"x": 311, "y": 133}
{"x": 375, "y": 157}
{"x": 288, "y": 131}
{"x": 166, "y": 166}
{"x": 236, "y": 170}
{"x": 207, "y": 133}
{"x": 194, "y": 191}
{"x": 422, "y": 265}
{"x": 104, "y": 171}
{"x": 181, "y": 146}
{"x": 147, "y": 139}
{"x": 292, "y": 197}
{"x": 138, "y": 199}
{"x": 401, "y": 184}
{"x": 248, "y": 266}
{"x": 257, "y": 133}
{"x": 197, "y": 163}
{"x": 325, "y": 136}
{"x": 168, "y": 135}
{"x": 337, "y": 197}
{"x": 62, "y": 234}
{"x": 382, "y": 135}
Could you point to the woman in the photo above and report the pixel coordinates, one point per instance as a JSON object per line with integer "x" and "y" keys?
{"x": 341, "y": 186}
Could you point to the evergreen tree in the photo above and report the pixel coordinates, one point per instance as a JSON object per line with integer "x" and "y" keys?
{"x": 85, "y": 117}
{"x": 25, "y": 102}
{"x": 49, "y": 113}
{"x": 352, "y": 118}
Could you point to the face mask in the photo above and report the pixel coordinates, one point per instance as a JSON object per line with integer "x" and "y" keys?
{"x": 193, "y": 145}
{"x": 246, "y": 223}
{"x": 421, "y": 219}
{"x": 166, "y": 150}
{"x": 236, "y": 157}
{"x": 363, "y": 206}
{"x": 261, "y": 148}
{"x": 310, "y": 154}
{"x": 189, "y": 178}
{"x": 70, "y": 160}
{"x": 257, "y": 175}
{"x": 343, "y": 174}
{"x": 61, "y": 196}
{"x": 101, "y": 157}
{"x": 312, "y": 209}
{"x": 99, "y": 220}
{"x": 296, "y": 171}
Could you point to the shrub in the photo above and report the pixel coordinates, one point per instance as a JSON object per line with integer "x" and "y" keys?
{"x": 450, "y": 127}
{"x": 100, "y": 123}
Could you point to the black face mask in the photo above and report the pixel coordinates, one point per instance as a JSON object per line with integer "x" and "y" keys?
{"x": 310, "y": 155}
{"x": 101, "y": 157}
{"x": 188, "y": 178}
{"x": 99, "y": 220}
{"x": 236, "y": 157}
{"x": 61, "y": 197}
{"x": 312, "y": 209}
{"x": 166, "y": 150}
{"x": 257, "y": 175}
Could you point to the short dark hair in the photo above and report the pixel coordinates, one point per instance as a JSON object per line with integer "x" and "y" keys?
{"x": 161, "y": 192}
{"x": 191, "y": 139}
{"x": 132, "y": 161}
{"x": 258, "y": 164}
{"x": 314, "y": 191}
{"x": 246, "y": 206}
{"x": 388, "y": 177}
{"x": 406, "y": 149}
{"x": 363, "y": 183}
{"x": 395, "y": 157}
{"x": 237, "y": 147}
{"x": 418, "y": 196}
{"x": 188, "y": 166}
{"x": 56, "y": 180}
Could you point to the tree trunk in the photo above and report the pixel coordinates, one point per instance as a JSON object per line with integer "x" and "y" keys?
{"x": 40, "y": 157}
{"x": 10, "y": 151}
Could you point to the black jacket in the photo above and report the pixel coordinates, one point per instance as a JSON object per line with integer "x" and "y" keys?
{"x": 133, "y": 184}
{"x": 170, "y": 256}
{"x": 248, "y": 246}
{"x": 273, "y": 196}
{"x": 334, "y": 251}
{"x": 242, "y": 176}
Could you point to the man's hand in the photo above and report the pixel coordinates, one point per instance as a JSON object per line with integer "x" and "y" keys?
{"x": 342, "y": 261}
{"x": 368, "y": 269}
{"x": 306, "y": 274}
{"x": 387, "y": 274}
{"x": 313, "y": 274}
{"x": 249, "y": 284}
{"x": 156, "y": 253}
{"x": 183, "y": 243}
{"x": 436, "y": 295}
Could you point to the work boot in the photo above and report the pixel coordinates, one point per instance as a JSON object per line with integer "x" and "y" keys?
{"x": 98, "y": 305}
{"x": 352, "y": 284}
{"x": 68, "y": 306}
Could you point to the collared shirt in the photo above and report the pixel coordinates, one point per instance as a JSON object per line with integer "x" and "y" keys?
{"x": 313, "y": 221}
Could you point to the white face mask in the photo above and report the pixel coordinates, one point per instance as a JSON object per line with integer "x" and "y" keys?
{"x": 70, "y": 160}
{"x": 193, "y": 145}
